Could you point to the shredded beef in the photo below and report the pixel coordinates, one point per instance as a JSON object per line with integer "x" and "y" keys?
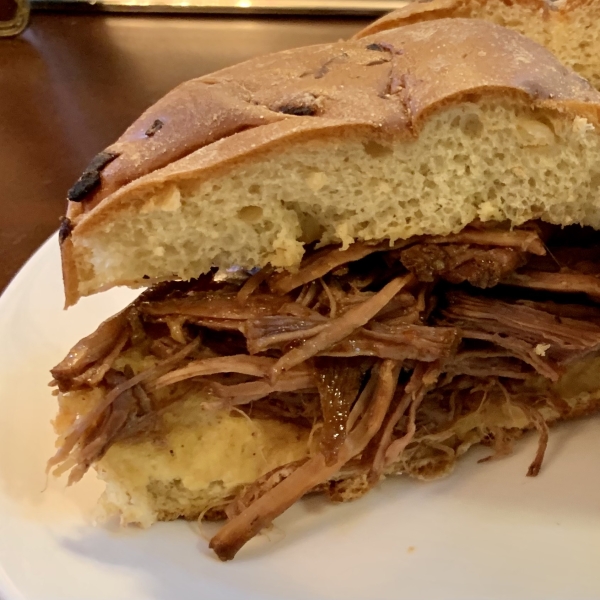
{"x": 482, "y": 268}
{"x": 521, "y": 239}
{"x": 251, "y": 493}
{"x": 278, "y": 330}
{"x": 300, "y": 407}
{"x": 91, "y": 350}
{"x": 338, "y": 382}
{"x": 89, "y": 420}
{"x": 320, "y": 263}
{"x": 94, "y": 447}
{"x": 399, "y": 342}
{"x": 313, "y": 472}
{"x": 375, "y": 348}
{"x": 337, "y": 329}
{"x": 563, "y": 282}
{"x": 299, "y": 379}
{"x": 257, "y": 366}
{"x": 566, "y": 339}
{"x": 217, "y": 305}
{"x": 488, "y": 363}
{"x": 574, "y": 311}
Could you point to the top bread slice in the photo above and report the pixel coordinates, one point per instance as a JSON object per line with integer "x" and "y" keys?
{"x": 415, "y": 130}
{"x": 568, "y": 28}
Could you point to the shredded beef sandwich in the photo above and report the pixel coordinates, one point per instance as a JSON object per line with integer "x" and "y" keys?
{"x": 362, "y": 259}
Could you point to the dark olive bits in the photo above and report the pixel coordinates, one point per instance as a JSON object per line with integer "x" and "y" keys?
{"x": 154, "y": 128}
{"x": 384, "y": 47}
{"x": 64, "y": 231}
{"x": 90, "y": 178}
{"x": 376, "y": 47}
{"x": 299, "y": 111}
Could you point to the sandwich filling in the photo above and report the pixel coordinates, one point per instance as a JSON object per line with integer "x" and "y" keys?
{"x": 390, "y": 354}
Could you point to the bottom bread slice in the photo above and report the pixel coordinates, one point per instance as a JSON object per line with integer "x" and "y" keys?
{"x": 197, "y": 461}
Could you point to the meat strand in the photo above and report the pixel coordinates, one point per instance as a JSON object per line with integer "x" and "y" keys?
{"x": 93, "y": 375}
{"x": 418, "y": 342}
{"x": 252, "y": 284}
{"x": 540, "y": 424}
{"x": 486, "y": 363}
{"x": 92, "y": 348}
{"x": 251, "y": 493}
{"x": 256, "y": 366}
{"x": 217, "y": 305}
{"x": 243, "y": 393}
{"x": 566, "y": 283}
{"x": 274, "y": 331}
{"x": 524, "y": 239}
{"x": 320, "y": 263}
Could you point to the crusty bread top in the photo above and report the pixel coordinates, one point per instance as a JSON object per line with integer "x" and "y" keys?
{"x": 568, "y": 28}
{"x": 384, "y": 86}
{"x": 389, "y": 88}
{"x": 446, "y": 9}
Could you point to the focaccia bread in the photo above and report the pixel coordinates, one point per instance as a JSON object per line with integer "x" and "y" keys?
{"x": 568, "y": 28}
{"x": 385, "y": 137}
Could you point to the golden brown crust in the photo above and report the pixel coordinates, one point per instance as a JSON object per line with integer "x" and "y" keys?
{"x": 386, "y": 85}
{"x": 69, "y": 269}
{"x": 193, "y": 115}
{"x": 445, "y": 9}
{"x": 570, "y": 29}
{"x": 344, "y": 81}
{"x": 416, "y": 12}
{"x": 547, "y": 11}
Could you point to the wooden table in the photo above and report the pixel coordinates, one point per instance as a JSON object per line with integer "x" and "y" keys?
{"x": 72, "y": 83}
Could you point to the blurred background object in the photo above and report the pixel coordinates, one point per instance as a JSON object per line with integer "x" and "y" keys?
{"x": 242, "y": 7}
{"x": 14, "y": 16}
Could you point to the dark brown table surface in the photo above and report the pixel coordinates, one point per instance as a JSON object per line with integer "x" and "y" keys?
{"x": 72, "y": 83}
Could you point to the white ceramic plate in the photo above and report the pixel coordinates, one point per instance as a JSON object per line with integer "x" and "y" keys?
{"x": 485, "y": 532}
